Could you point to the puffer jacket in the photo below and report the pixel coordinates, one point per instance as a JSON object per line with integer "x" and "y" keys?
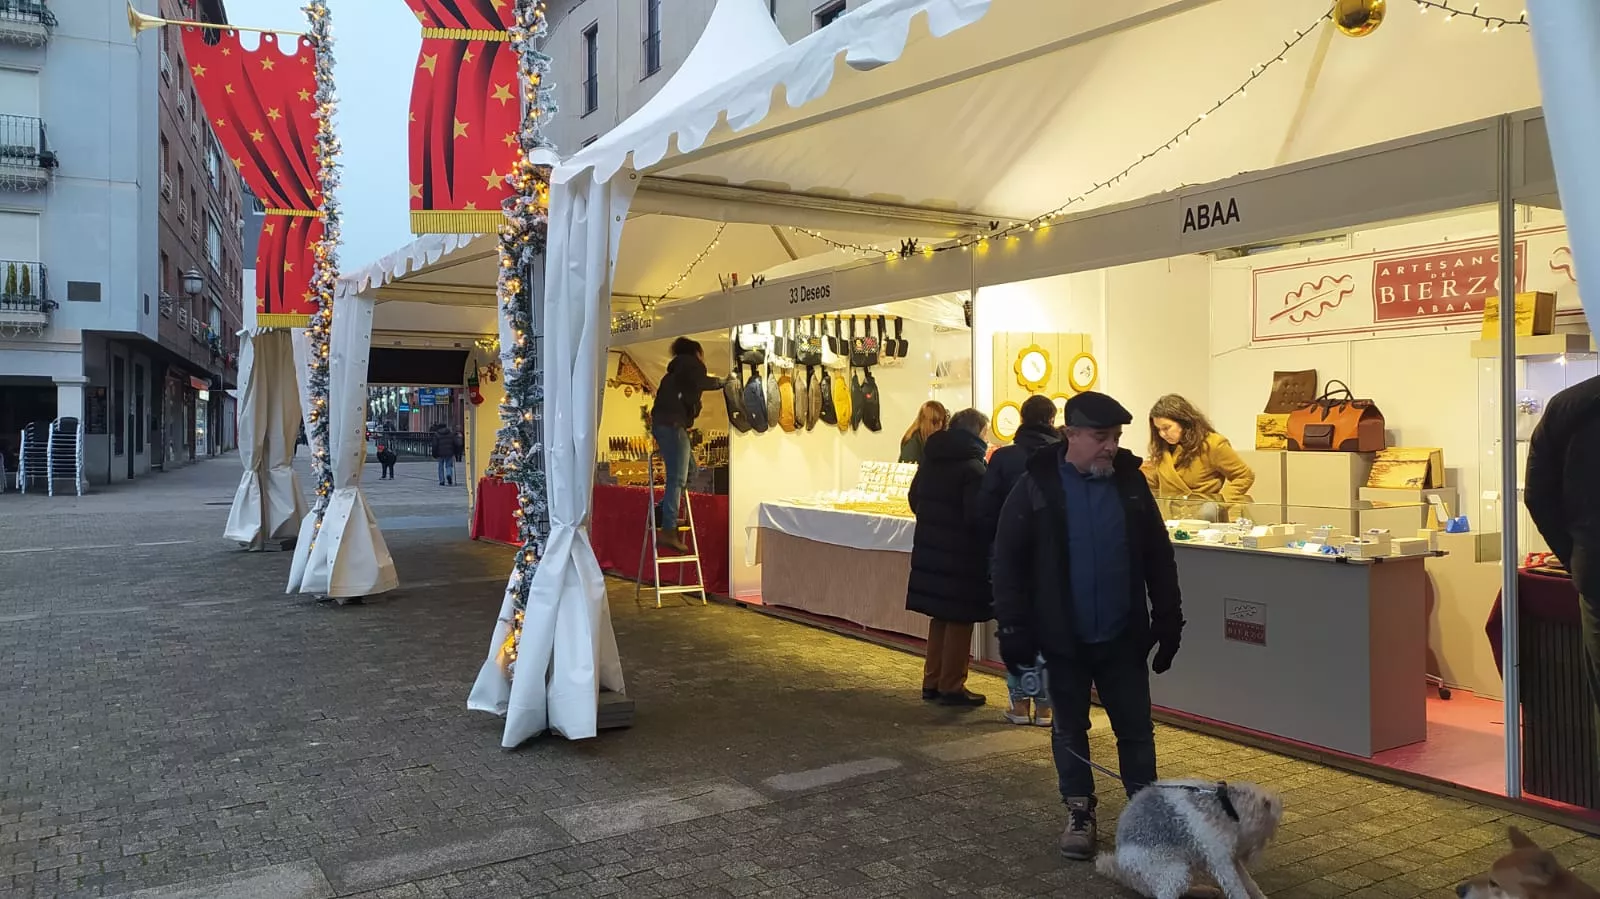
{"x": 1006, "y": 467}
{"x": 949, "y": 562}
{"x": 1563, "y": 485}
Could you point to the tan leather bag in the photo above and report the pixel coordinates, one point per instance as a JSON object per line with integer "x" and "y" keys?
{"x": 1337, "y": 422}
{"x": 1291, "y": 390}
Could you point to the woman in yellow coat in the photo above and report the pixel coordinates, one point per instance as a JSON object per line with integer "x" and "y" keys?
{"x": 1193, "y": 470}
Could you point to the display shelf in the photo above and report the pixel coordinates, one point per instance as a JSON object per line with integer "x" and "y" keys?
{"x": 1534, "y": 347}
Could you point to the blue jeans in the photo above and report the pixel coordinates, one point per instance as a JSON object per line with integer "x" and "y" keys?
{"x": 673, "y": 444}
{"x": 447, "y": 469}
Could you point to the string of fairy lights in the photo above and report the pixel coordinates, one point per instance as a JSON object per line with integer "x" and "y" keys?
{"x": 325, "y": 253}
{"x": 711, "y": 246}
{"x": 521, "y": 247}
{"x": 1490, "y": 23}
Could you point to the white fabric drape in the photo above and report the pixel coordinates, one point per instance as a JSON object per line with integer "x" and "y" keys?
{"x": 348, "y": 556}
{"x": 1566, "y": 40}
{"x": 300, "y": 342}
{"x": 568, "y": 651}
{"x": 269, "y": 505}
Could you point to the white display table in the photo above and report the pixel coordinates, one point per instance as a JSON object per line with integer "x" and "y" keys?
{"x": 1315, "y": 649}
{"x": 850, "y": 566}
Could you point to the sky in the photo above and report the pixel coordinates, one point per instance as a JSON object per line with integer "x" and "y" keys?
{"x": 375, "y": 51}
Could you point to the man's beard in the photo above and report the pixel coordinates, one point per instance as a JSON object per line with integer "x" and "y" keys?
{"x": 1101, "y": 468}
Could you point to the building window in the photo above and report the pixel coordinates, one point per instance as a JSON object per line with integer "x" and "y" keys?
{"x": 166, "y": 273}
{"x": 214, "y": 243}
{"x": 652, "y": 37}
{"x": 591, "y": 69}
{"x": 827, "y": 13}
{"x": 164, "y": 149}
{"x": 214, "y": 164}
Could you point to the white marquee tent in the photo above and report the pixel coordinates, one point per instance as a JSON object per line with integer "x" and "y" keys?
{"x": 1033, "y": 103}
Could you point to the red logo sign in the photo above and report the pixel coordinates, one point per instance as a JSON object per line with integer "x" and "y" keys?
{"x": 1440, "y": 285}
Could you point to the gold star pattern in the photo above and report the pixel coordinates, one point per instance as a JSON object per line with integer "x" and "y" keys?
{"x": 267, "y": 63}
{"x": 288, "y": 267}
{"x": 237, "y": 162}
{"x": 227, "y": 51}
{"x": 269, "y": 227}
{"x": 198, "y": 70}
{"x": 275, "y": 174}
{"x": 497, "y": 4}
{"x": 416, "y": 191}
{"x": 421, "y": 16}
{"x": 257, "y": 136}
{"x": 510, "y": 139}
{"x": 227, "y": 88}
{"x": 221, "y": 123}
{"x": 274, "y": 114}
{"x": 466, "y": 55}
{"x": 492, "y": 179}
{"x": 411, "y": 116}
{"x": 502, "y": 92}
{"x": 460, "y": 128}
{"x": 304, "y": 95}
{"x": 471, "y": 206}
{"x": 429, "y": 62}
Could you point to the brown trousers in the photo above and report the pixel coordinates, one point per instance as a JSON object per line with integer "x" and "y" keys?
{"x": 949, "y": 651}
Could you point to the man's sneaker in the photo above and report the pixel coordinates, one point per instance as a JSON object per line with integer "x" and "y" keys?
{"x": 1077, "y": 841}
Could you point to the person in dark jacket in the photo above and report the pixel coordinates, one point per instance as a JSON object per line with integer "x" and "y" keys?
{"x": 446, "y": 446}
{"x": 1563, "y": 499}
{"x": 949, "y": 559}
{"x": 676, "y": 407}
{"x": 1037, "y": 432}
{"x": 386, "y": 460}
{"x": 1085, "y": 575}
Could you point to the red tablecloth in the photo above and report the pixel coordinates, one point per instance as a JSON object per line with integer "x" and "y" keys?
{"x": 617, "y": 526}
{"x": 492, "y": 515}
{"x": 1539, "y": 596}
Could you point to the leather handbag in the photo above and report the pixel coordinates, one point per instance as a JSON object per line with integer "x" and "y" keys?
{"x": 808, "y": 346}
{"x": 864, "y": 348}
{"x": 1291, "y": 390}
{"x": 1337, "y": 422}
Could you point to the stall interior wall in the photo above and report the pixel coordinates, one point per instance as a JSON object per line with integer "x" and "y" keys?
{"x": 483, "y": 423}
{"x": 778, "y": 465}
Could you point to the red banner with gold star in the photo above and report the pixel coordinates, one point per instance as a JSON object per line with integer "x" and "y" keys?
{"x": 465, "y": 110}
{"x": 260, "y": 103}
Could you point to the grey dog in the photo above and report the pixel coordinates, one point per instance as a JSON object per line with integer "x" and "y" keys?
{"x": 1174, "y": 830}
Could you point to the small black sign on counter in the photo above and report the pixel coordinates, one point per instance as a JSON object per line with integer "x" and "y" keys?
{"x": 94, "y": 410}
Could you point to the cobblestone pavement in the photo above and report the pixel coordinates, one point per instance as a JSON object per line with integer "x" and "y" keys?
{"x": 175, "y": 724}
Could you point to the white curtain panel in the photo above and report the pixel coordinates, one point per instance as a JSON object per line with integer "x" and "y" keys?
{"x": 348, "y": 557}
{"x": 1565, "y": 37}
{"x": 269, "y": 505}
{"x": 300, "y": 341}
{"x": 568, "y": 651}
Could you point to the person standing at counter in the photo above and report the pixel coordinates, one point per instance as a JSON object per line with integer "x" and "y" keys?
{"x": 932, "y": 418}
{"x": 1006, "y": 466}
{"x": 1189, "y": 460}
{"x": 1085, "y": 575}
{"x": 949, "y": 558}
{"x": 676, "y": 407}
{"x": 1563, "y": 499}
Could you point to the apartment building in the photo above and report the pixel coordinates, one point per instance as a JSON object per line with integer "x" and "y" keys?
{"x": 108, "y": 199}
{"x": 611, "y": 56}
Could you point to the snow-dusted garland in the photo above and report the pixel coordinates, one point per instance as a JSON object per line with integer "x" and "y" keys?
{"x": 522, "y": 243}
{"x": 325, "y": 266}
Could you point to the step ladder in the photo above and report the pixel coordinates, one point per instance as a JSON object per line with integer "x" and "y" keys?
{"x": 65, "y": 455}
{"x": 33, "y": 460}
{"x": 654, "y": 552}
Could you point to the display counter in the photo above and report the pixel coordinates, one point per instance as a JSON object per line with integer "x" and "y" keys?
{"x": 493, "y": 512}
{"x": 846, "y": 565}
{"x": 617, "y": 531}
{"x": 1322, "y": 650}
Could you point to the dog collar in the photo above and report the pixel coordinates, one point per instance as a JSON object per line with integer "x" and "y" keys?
{"x": 1227, "y": 803}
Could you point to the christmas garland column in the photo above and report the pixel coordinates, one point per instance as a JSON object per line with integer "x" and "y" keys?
{"x": 325, "y": 263}
{"x": 522, "y": 243}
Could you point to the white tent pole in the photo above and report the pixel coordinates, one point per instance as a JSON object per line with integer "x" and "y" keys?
{"x": 1510, "y": 501}
{"x": 1565, "y": 37}
{"x": 1313, "y": 75}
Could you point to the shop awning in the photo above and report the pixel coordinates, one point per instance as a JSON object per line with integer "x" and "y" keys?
{"x": 199, "y": 383}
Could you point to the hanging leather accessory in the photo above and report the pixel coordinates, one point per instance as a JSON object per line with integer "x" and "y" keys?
{"x": 871, "y": 409}
{"x": 752, "y": 347}
{"x": 831, "y": 358}
{"x": 1337, "y": 422}
{"x": 863, "y": 346}
{"x": 841, "y": 382}
{"x": 826, "y": 412}
{"x": 1291, "y": 390}
{"x": 755, "y": 401}
{"x": 808, "y": 346}
{"x": 901, "y": 345}
{"x": 733, "y": 396}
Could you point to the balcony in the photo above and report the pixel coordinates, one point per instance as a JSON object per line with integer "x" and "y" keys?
{"x": 25, "y": 158}
{"x": 166, "y": 67}
{"x": 166, "y": 186}
{"x": 26, "y": 22}
{"x": 25, "y": 303}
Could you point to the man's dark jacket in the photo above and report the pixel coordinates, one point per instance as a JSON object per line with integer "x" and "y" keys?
{"x": 678, "y": 395}
{"x": 949, "y": 561}
{"x": 1006, "y": 467}
{"x": 1563, "y": 481}
{"x": 1030, "y": 569}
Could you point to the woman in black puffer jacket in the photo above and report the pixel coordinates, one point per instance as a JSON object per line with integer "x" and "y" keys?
{"x": 949, "y": 558}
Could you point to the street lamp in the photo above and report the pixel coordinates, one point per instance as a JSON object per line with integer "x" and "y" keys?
{"x": 193, "y": 282}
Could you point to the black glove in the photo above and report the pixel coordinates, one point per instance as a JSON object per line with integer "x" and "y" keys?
{"x": 1018, "y": 648}
{"x": 1164, "y": 641}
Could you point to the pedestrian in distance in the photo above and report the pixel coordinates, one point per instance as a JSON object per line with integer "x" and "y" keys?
{"x": 1085, "y": 575}
{"x": 447, "y": 444}
{"x": 386, "y": 460}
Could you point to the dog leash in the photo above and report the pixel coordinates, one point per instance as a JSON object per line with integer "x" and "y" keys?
{"x": 1219, "y": 790}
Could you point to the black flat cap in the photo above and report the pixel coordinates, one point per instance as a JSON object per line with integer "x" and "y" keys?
{"x": 1096, "y": 410}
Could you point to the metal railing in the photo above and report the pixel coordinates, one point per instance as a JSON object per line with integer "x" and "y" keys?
{"x": 22, "y": 142}
{"x": 27, "y": 12}
{"x": 23, "y": 287}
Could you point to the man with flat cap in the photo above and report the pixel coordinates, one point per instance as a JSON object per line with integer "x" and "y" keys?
{"x": 1085, "y": 575}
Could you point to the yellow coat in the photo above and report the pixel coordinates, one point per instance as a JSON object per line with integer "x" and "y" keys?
{"x": 1215, "y": 474}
